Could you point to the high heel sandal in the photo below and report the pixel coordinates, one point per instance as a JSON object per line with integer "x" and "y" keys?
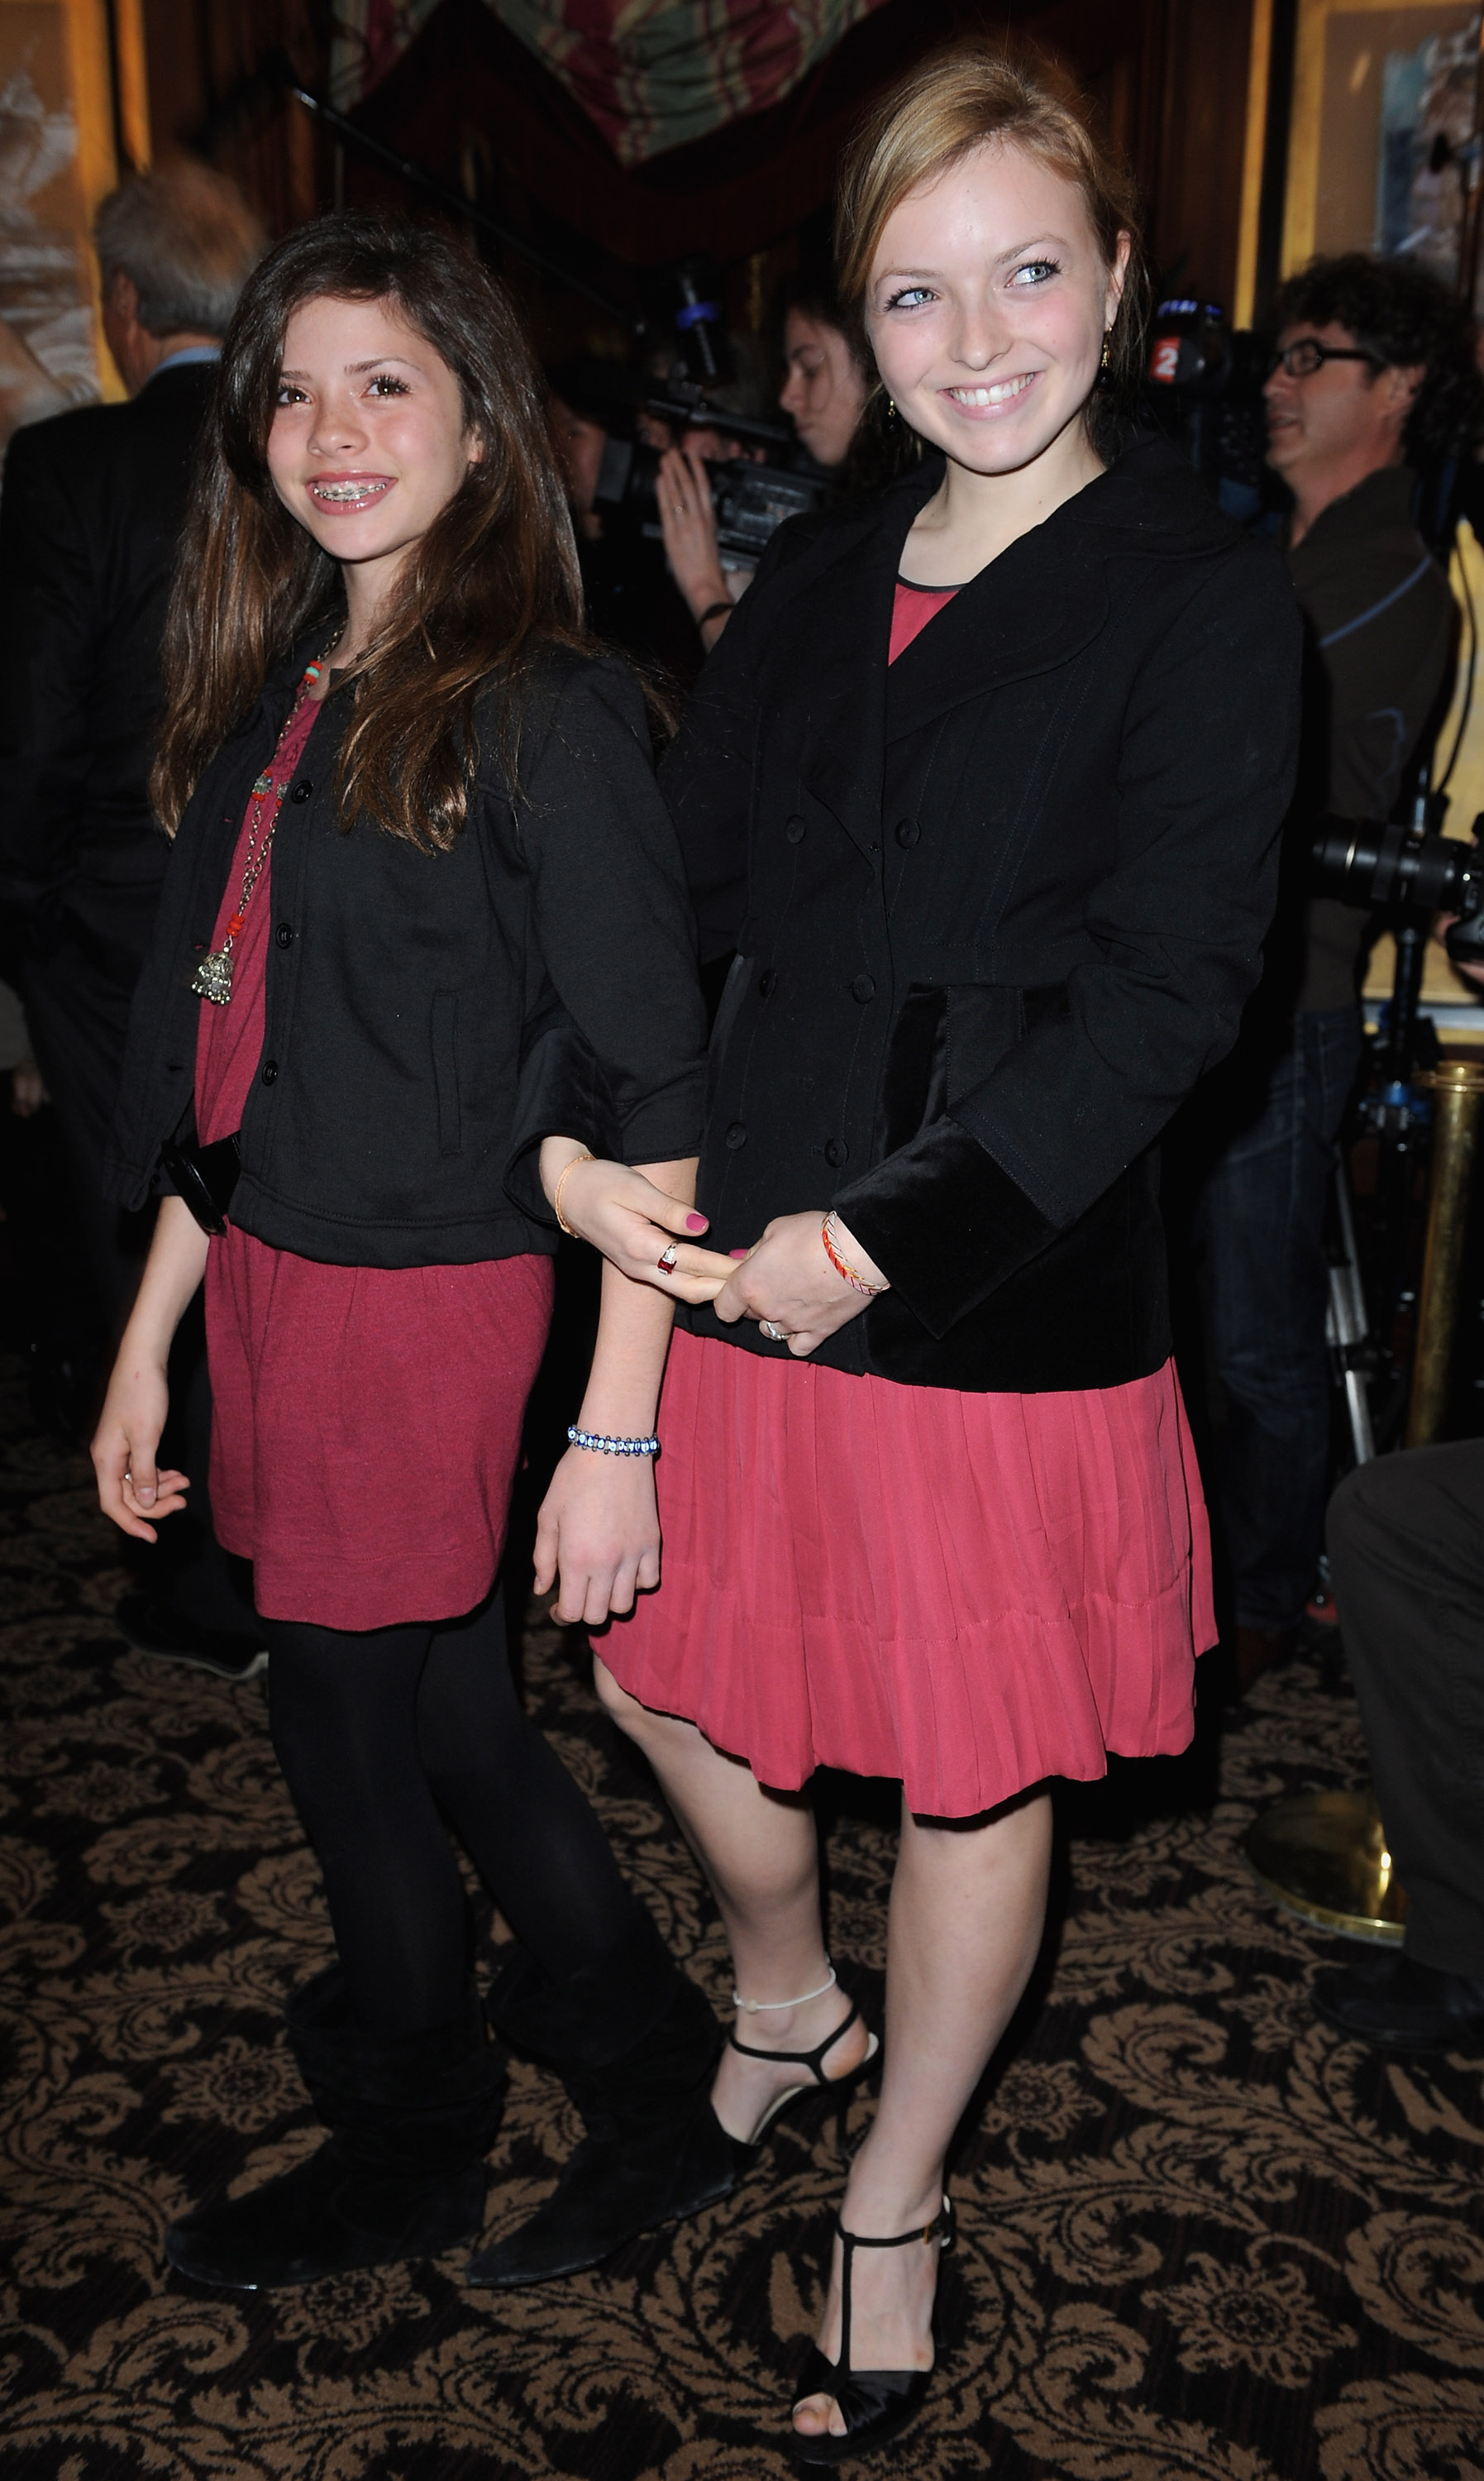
{"x": 814, "y": 2060}
{"x": 877, "y": 2404}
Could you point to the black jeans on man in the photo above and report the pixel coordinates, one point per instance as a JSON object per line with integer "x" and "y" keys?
{"x": 1261, "y": 1223}
{"x": 1406, "y": 1544}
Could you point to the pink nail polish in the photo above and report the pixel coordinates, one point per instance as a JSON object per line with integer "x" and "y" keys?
{"x": 737, "y": 1253}
{"x": 696, "y": 1222}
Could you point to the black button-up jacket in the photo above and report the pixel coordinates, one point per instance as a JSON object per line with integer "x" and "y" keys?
{"x": 995, "y": 909}
{"x": 421, "y": 1006}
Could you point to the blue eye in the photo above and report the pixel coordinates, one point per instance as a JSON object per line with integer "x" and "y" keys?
{"x": 1036, "y": 271}
{"x": 909, "y": 297}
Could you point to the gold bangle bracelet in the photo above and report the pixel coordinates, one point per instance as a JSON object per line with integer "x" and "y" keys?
{"x": 566, "y": 1170}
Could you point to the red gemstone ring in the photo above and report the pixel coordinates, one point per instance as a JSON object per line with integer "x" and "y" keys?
{"x": 667, "y": 1260}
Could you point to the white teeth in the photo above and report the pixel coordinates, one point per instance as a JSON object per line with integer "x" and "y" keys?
{"x": 346, "y": 494}
{"x": 995, "y": 395}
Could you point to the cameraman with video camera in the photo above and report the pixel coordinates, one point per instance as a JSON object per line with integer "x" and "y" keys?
{"x": 825, "y": 390}
{"x": 1374, "y": 378}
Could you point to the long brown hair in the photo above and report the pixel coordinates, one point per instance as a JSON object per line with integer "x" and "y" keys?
{"x": 493, "y": 580}
{"x": 939, "y": 113}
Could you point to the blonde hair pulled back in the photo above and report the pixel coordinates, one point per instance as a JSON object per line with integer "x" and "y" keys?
{"x": 960, "y": 99}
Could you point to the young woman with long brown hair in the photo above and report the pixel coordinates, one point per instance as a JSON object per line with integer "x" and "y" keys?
{"x": 420, "y": 869}
{"x": 983, "y": 785}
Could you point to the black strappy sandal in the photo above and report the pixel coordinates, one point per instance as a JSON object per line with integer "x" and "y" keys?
{"x": 814, "y": 2060}
{"x": 877, "y": 2404}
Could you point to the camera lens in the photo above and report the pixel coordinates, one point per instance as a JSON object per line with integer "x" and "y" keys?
{"x": 1392, "y": 866}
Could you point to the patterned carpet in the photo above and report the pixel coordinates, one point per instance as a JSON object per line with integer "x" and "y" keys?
{"x": 1200, "y": 2234}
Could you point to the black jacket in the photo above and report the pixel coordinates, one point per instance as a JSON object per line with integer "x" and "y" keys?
{"x": 995, "y": 908}
{"x": 90, "y": 516}
{"x": 420, "y": 1007}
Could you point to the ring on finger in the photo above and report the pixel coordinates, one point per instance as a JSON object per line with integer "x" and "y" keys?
{"x": 666, "y": 1262}
{"x": 775, "y": 1334}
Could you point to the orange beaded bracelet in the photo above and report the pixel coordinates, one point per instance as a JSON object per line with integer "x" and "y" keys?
{"x": 856, "y": 1282}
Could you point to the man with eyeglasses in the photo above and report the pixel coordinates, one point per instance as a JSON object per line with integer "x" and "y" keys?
{"x": 1374, "y": 379}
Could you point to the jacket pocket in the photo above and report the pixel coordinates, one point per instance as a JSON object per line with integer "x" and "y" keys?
{"x": 445, "y": 1070}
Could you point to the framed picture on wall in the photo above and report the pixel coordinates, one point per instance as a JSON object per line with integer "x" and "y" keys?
{"x": 1381, "y": 150}
{"x": 57, "y": 160}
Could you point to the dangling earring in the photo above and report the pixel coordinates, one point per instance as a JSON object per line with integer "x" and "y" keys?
{"x": 891, "y": 413}
{"x": 1103, "y": 365}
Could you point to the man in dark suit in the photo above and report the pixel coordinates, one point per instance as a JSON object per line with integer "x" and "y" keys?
{"x": 91, "y": 516}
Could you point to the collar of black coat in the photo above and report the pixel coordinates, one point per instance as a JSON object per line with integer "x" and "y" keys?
{"x": 1038, "y": 605}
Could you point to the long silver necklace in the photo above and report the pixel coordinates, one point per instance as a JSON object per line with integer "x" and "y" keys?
{"x": 213, "y": 977}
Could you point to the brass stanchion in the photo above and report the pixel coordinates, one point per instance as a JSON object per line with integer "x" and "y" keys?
{"x": 1324, "y": 1854}
{"x": 1457, "y": 1088}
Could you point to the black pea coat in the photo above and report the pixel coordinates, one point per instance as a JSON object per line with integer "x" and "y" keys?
{"x": 995, "y": 908}
{"x": 431, "y": 1016}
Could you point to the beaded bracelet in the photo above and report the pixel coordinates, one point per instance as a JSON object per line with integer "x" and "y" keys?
{"x": 856, "y": 1282}
{"x": 611, "y": 1446}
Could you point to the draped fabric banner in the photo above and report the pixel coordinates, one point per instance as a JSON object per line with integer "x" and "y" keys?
{"x": 650, "y": 74}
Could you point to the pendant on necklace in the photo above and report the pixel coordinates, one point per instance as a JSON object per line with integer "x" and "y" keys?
{"x": 213, "y": 977}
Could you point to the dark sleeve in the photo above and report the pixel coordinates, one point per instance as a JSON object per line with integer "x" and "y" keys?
{"x": 48, "y": 630}
{"x": 707, "y": 773}
{"x": 618, "y": 1038}
{"x": 1205, "y": 775}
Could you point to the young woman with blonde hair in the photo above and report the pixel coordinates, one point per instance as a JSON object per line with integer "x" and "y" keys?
{"x": 983, "y": 785}
{"x": 424, "y": 922}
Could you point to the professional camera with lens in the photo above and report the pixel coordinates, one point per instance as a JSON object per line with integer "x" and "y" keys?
{"x": 1404, "y": 870}
{"x": 750, "y": 501}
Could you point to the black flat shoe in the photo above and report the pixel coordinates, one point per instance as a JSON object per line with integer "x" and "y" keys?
{"x": 748, "y": 2147}
{"x": 326, "y": 2216}
{"x": 1409, "y": 2006}
{"x": 877, "y": 2404}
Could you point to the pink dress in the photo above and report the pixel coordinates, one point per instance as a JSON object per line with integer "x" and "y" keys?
{"x": 366, "y": 1421}
{"x": 967, "y": 1592}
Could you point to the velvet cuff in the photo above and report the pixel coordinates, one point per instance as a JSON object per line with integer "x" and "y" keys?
{"x": 944, "y": 1222}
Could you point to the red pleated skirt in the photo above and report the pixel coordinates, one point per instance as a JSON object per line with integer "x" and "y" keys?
{"x": 967, "y": 1592}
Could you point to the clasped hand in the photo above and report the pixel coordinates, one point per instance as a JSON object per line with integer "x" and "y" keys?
{"x": 786, "y": 1277}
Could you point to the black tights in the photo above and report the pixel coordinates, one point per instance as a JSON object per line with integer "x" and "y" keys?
{"x": 385, "y": 1734}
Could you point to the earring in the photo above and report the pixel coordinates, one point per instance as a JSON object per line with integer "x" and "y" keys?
{"x": 892, "y": 414}
{"x": 1103, "y": 365}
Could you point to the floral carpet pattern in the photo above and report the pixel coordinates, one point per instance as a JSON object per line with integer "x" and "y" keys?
{"x": 1201, "y": 2237}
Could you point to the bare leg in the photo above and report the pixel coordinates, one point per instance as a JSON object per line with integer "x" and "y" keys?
{"x": 760, "y": 1851}
{"x": 968, "y": 1907}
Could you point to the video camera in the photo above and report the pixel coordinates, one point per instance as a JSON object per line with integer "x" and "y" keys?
{"x": 1404, "y": 870}
{"x": 751, "y": 501}
{"x": 1204, "y": 390}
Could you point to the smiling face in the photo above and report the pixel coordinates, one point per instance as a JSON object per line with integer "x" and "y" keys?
{"x": 367, "y": 443}
{"x": 825, "y": 389}
{"x": 987, "y": 305}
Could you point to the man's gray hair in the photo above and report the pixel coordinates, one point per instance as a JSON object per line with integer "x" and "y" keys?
{"x": 186, "y": 238}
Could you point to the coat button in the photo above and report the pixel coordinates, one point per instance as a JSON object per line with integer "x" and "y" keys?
{"x": 863, "y": 988}
{"x": 284, "y": 935}
{"x": 736, "y": 1135}
{"x": 767, "y": 983}
{"x": 303, "y": 790}
{"x": 794, "y": 830}
{"x": 836, "y": 1153}
{"x": 908, "y": 833}
{"x": 270, "y": 1072}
